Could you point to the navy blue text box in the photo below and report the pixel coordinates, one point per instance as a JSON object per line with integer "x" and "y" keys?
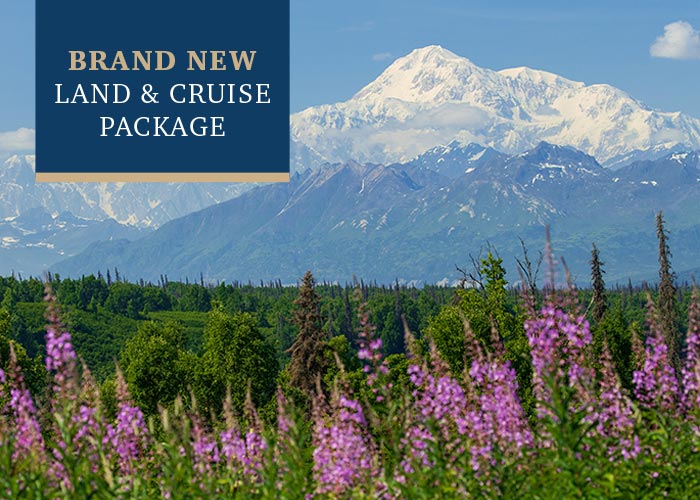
{"x": 70, "y": 136}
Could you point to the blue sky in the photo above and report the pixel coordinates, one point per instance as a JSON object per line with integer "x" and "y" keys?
{"x": 333, "y": 43}
{"x": 338, "y": 47}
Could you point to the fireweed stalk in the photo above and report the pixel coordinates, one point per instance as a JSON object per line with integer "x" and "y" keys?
{"x": 126, "y": 441}
{"x": 656, "y": 385}
{"x": 691, "y": 369}
{"x": 23, "y": 427}
{"x": 344, "y": 456}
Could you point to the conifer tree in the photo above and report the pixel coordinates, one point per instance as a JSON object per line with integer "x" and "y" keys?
{"x": 667, "y": 294}
{"x": 600, "y": 303}
{"x": 307, "y": 361}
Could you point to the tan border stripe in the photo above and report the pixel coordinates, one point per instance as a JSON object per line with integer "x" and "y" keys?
{"x": 161, "y": 177}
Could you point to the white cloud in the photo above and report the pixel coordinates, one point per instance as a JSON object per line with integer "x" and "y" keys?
{"x": 679, "y": 41}
{"x": 21, "y": 139}
{"x": 382, "y": 56}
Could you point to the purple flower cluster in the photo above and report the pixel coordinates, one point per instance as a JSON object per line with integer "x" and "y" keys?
{"x": 501, "y": 414}
{"x": 559, "y": 349}
{"x": 244, "y": 452}
{"x": 691, "y": 369}
{"x": 614, "y": 413}
{"x": 442, "y": 417}
{"x": 656, "y": 385}
{"x": 24, "y": 426}
{"x": 371, "y": 351}
{"x": 26, "y": 430}
{"x": 127, "y": 439}
{"x": 468, "y": 426}
{"x": 60, "y": 355}
{"x": 205, "y": 449}
{"x": 344, "y": 455}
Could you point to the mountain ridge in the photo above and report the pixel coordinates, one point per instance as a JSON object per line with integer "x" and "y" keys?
{"x": 411, "y": 222}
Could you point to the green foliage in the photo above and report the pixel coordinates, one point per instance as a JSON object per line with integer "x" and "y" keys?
{"x": 86, "y": 293}
{"x": 484, "y": 311}
{"x": 667, "y": 300}
{"x": 125, "y": 299}
{"x": 155, "y": 365}
{"x": 99, "y": 338}
{"x": 32, "y": 368}
{"x": 447, "y": 331}
{"x": 195, "y": 298}
{"x": 166, "y": 349}
{"x": 236, "y": 355}
{"x": 192, "y": 323}
{"x": 599, "y": 300}
{"x": 338, "y": 349}
{"x": 614, "y": 331}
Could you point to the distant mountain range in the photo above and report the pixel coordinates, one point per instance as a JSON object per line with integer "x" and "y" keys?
{"x": 31, "y": 242}
{"x": 428, "y": 163}
{"x": 136, "y": 204}
{"x": 432, "y": 97}
{"x": 414, "y": 221}
{"x": 41, "y": 224}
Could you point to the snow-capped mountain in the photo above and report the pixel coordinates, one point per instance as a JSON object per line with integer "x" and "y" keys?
{"x": 135, "y": 204}
{"x": 35, "y": 240}
{"x": 432, "y": 97}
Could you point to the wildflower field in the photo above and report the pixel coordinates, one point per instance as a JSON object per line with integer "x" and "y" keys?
{"x": 437, "y": 435}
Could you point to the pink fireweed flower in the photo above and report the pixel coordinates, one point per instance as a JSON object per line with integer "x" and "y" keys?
{"x": 244, "y": 452}
{"x": 656, "y": 385}
{"x": 443, "y": 417}
{"x": 60, "y": 355}
{"x": 691, "y": 369}
{"x": 26, "y": 430}
{"x": 233, "y": 448}
{"x": 59, "y": 350}
{"x": 371, "y": 351}
{"x": 24, "y": 425}
{"x": 205, "y": 449}
{"x": 500, "y": 408}
{"x": 614, "y": 414}
{"x": 558, "y": 345}
{"x": 127, "y": 438}
{"x": 344, "y": 454}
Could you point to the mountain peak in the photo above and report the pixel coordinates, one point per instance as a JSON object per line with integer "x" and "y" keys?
{"x": 545, "y": 152}
{"x": 432, "y": 53}
{"x": 428, "y": 75}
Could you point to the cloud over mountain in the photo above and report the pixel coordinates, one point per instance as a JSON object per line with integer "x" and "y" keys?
{"x": 679, "y": 41}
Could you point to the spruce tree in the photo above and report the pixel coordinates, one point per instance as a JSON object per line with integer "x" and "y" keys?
{"x": 600, "y": 303}
{"x": 667, "y": 294}
{"x": 307, "y": 361}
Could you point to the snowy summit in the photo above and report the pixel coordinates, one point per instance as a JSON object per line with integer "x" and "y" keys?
{"x": 432, "y": 96}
